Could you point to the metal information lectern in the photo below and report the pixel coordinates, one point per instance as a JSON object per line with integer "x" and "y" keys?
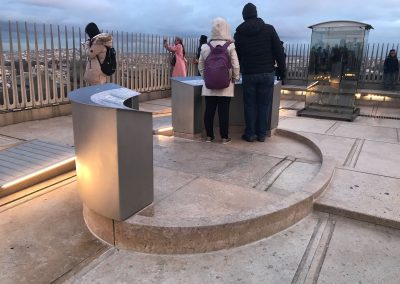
{"x": 188, "y": 107}
{"x": 114, "y": 150}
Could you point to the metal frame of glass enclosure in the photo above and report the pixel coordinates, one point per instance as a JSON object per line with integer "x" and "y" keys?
{"x": 335, "y": 60}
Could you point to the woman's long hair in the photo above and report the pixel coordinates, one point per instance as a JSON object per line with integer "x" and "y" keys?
{"x": 203, "y": 39}
{"x": 181, "y": 43}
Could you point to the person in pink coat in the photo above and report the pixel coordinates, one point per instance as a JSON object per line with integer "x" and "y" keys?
{"x": 179, "y": 50}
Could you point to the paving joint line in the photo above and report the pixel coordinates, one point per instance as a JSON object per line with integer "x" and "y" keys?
{"x": 332, "y": 128}
{"x": 103, "y": 252}
{"x": 348, "y": 137}
{"x": 302, "y": 265}
{"x": 364, "y": 172}
{"x": 350, "y": 155}
{"x": 168, "y": 195}
{"x": 324, "y": 246}
{"x": 274, "y": 173}
{"x": 5, "y": 135}
{"x": 357, "y": 153}
{"x": 37, "y": 193}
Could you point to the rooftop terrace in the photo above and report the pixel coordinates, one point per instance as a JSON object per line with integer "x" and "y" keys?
{"x": 351, "y": 236}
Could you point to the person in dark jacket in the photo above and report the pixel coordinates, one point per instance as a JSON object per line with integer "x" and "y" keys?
{"x": 258, "y": 47}
{"x": 202, "y": 40}
{"x": 390, "y": 70}
{"x": 278, "y": 73}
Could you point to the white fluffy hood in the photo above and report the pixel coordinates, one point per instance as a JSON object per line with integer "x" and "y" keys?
{"x": 104, "y": 39}
{"x": 220, "y": 29}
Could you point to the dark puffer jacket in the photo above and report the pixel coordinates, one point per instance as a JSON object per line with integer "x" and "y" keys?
{"x": 258, "y": 47}
{"x": 391, "y": 65}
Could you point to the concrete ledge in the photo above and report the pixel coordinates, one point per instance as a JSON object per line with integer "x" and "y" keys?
{"x": 181, "y": 235}
{"x": 154, "y": 95}
{"x": 23, "y": 115}
{"x": 294, "y": 87}
{"x": 13, "y": 117}
{"x": 196, "y": 236}
{"x": 367, "y": 97}
{"x": 377, "y": 220}
{"x": 187, "y": 135}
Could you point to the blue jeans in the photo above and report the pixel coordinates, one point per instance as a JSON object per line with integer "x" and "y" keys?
{"x": 257, "y": 95}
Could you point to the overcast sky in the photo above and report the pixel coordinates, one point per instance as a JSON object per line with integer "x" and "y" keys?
{"x": 188, "y": 17}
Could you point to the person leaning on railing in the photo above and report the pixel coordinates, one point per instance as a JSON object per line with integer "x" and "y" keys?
{"x": 390, "y": 70}
{"x": 95, "y": 48}
{"x": 202, "y": 40}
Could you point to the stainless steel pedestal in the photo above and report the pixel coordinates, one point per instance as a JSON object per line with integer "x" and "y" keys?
{"x": 188, "y": 107}
{"x": 114, "y": 150}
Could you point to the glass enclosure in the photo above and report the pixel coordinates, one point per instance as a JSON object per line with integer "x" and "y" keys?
{"x": 334, "y": 65}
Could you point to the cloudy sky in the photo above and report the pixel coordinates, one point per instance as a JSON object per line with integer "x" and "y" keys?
{"x": 188, "y": 17}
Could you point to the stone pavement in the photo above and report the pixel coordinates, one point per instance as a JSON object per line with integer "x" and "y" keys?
{"x": 352, "y": 236}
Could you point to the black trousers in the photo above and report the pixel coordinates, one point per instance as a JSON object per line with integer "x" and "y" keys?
{"x": 212, "y": 103}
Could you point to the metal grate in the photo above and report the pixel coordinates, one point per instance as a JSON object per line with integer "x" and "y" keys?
{"x": 30, "y": 157}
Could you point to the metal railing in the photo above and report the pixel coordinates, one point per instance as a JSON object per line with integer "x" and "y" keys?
{"x": 41, "y": 64}
{"x": 297, "y": 61}
{"x": 371, "y": 67}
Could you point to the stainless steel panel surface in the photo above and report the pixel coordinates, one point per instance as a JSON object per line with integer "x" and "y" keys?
{"x": 114, "y": 151}
{"x": 188, "y": 106}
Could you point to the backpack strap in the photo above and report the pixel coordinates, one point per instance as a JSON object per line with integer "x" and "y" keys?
{"x": 98, "y": 59}
{"x": 225, "y": 46}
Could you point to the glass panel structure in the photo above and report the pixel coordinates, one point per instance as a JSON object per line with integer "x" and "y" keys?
{"x": 334, "y": 66}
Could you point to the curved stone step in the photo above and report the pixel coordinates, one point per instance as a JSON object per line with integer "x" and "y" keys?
{"x": 151, "y": 231}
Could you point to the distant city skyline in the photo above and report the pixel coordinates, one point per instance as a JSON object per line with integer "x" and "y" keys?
{"x": 192, "y": 18}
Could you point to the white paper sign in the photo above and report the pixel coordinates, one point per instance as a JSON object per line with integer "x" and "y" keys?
{"x": 114, "y": 97}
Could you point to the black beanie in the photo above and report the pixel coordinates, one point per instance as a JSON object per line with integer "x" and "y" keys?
{"x": 92, "y": 30}
{"x": 249, "y": 11}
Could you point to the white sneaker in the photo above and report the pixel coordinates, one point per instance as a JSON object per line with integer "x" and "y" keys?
{"x": 209, "y": 139}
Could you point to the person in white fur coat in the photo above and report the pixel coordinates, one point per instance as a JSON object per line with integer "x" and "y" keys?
{"x": 96, "y": 48}
{"x": 219, "y": 99}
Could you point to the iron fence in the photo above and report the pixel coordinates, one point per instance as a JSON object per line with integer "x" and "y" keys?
{"x": 371, "y": 68}
{"x": 41, "y": 64}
